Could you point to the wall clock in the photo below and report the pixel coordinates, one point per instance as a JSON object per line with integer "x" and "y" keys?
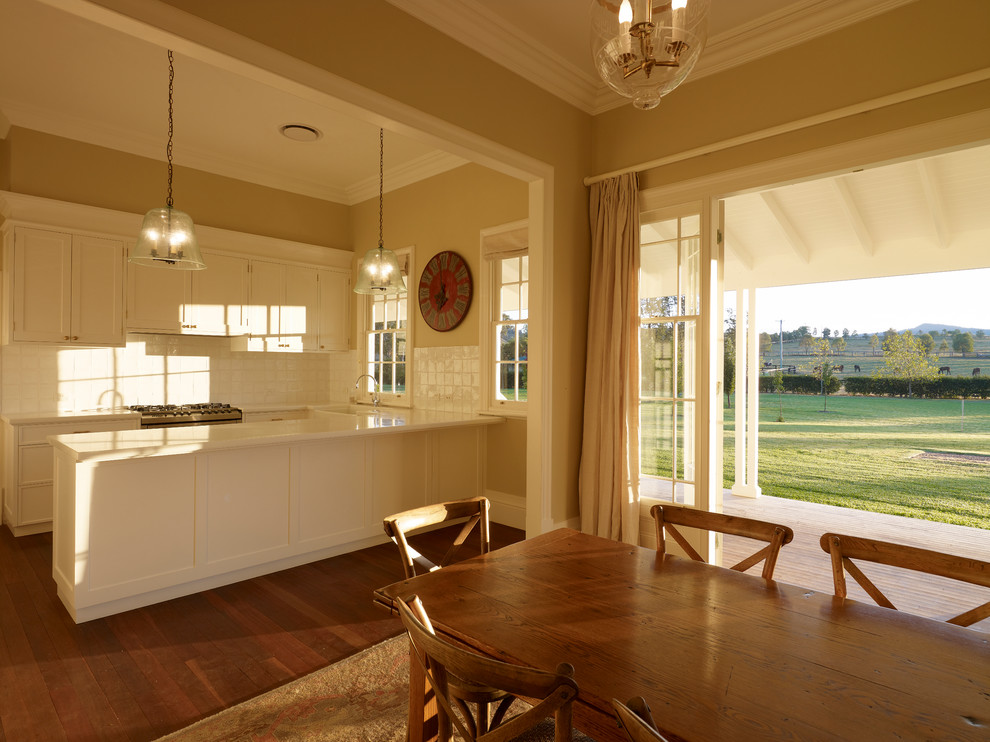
{"x": 445, "y": 291}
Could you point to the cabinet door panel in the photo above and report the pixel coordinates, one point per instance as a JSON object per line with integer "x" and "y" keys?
{"x": 36, "y": 504}
{"x": 218, "y": 298}
{"x": 335, "y": 302}
{"x": 154, "y": 298}
{"x": 266, "y": 298}
{"x": 36, "y": 464}
{"x": 300, "y": 321}
{"x": 41, "y": 286}
{"x": 97, "y": 298}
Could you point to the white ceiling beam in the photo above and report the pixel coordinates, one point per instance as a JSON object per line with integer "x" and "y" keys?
{"x": 794, "y": 240}
{"x": 739, "y": 250}
{"x": 936, "y": 206}
{"x": 853, "y": 214}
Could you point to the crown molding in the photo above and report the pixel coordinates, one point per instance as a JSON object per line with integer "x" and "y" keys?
{"x": 56, "y": 123}
{"x": 426, "y": 166}
{"x": 487, "y": 33}
{"x": 475, "y": 26}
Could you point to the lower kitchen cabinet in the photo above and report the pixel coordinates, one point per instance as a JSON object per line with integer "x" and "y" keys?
{"x": 28, "y": 479}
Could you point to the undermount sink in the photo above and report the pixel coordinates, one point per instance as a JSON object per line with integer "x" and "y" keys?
{"x": 373, "y": 416}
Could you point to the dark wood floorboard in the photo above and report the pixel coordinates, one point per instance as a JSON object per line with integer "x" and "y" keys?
{"x": 145, "y": 673}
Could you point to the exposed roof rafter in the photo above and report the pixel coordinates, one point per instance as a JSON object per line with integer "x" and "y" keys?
{"x": 848, "y": 203}
{"x": 936, "y": 206}
{"x": 794, "y": 239}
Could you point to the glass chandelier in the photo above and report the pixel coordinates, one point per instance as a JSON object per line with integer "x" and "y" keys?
{"x": 167, "y": 237}
{"x": 643, "y": 49}
{"x": 379, "y": 272}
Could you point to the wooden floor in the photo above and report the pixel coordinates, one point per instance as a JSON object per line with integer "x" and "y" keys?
{"x": 804, "y": 563}
{"x": 142, "y": 674}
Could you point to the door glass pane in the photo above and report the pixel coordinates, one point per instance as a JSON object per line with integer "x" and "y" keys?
{"x": 656, "y": 435}
{"x": 658, "y": 280}
{"x": 686, "y": 337}
{"x": 656, "y": 354}
{"x": 691, "y": 275}
{"x": 685, "y": 441}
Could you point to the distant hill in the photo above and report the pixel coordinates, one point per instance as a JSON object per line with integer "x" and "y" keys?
{"x": 930, "y": 327}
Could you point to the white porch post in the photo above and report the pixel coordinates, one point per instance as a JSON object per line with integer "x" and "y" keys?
{"x": 747, "y": 401}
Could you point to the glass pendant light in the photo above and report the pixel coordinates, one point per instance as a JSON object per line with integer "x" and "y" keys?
{"x": 379, "y": 272}
{"x": 167, "y": 238}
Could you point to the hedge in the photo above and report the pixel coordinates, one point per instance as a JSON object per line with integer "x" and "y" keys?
{"x": 800, "y": 384}
{"x": 943, "y": 387}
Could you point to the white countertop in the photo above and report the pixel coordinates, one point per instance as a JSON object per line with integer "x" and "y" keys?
{"x": 30, "y": 418}
{"x": 129, "y": 444}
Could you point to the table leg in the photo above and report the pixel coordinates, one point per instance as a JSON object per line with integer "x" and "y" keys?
{"x": 423, "y": 720}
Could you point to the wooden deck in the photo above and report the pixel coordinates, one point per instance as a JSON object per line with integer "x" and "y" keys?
{"x": 802, "y": 562}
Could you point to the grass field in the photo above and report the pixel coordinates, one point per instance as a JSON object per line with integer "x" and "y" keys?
{"x": 858, "y": 352}
{"x": 912, "y": 457}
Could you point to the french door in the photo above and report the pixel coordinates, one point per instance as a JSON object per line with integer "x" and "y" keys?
{"x": 680, "y": 311}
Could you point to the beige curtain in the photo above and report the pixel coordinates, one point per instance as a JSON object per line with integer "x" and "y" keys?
{"x": 609, "y": 475}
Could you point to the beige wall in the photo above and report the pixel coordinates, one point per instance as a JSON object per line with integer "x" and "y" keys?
{"x": 373, "y": 44}
{"x": 67, "y": 170}
{"x": 5, "y": 163}
{"x": 882, "y": 56}
{"x": 445, "y": 212}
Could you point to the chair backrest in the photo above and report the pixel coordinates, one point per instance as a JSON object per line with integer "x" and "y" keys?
{"x": 635, "y": 718}
{"x": 843, "y": 549}
{"x": 551, "y": 693}
{"x": 668, "y": 517}
{"x": 399, "y": 526}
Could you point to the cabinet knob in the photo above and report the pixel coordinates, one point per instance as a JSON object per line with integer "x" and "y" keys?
{"x": 75, "y": 337}
{"x": 65, "y": 337}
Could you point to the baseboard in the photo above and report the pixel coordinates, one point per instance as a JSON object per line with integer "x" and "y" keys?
{"x": 509, "y": 510}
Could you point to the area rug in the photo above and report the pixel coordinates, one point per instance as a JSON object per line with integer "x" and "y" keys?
{"x": 362, "y": 698}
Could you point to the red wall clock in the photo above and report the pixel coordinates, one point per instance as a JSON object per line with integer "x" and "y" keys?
{"x": 445, "y": 291}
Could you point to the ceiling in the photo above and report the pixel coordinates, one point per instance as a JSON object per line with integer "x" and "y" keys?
{"x": 65, "y": 72}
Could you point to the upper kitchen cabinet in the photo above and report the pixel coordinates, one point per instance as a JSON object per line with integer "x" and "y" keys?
{"x": 283, "y": 308}
{"x": 206, "y": 302}
{"x": 335, "y": 303}
{"x": 218, "y": 297}
{"x": 65, "y": 288}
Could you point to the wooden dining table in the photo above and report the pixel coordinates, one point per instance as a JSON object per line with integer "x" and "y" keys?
{"x": 717, "y": 654}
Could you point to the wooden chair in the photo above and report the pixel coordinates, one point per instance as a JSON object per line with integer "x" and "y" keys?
{"x": 635, "y": 718}
{"x": 448, "y": 667}
{"x": 668, "y": 517}
{"x": 399, "y": 526}
{"x": 843, "y": 549}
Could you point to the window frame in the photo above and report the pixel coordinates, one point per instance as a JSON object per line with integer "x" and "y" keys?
{"x": 363, "y": 394}
{"x": 493, "y": 250}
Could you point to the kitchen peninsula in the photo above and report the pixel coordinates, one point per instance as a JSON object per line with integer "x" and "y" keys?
{"x": 142, "y": 516}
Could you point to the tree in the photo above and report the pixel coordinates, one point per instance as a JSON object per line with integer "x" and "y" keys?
{"x": 822, "y": 368}
{"x": 766, "y": 343}
{"x": 927, "y": 341}
{"x": 943, "y": 347}
{"x": 826, "y": 332}
{"x": 729, "y": 357}
{"x": 839, "y": 344}
{"x": 904, "y": 357}
{"x": 980, "y": 334}
{"x": 778, "y": 386}
{"x": 889, "y": 334}
{"x": 807, "y": 342}
{"x": 874, "y": 343}
{"x": 962, "y": 342}
{"x": 845, "y": 333}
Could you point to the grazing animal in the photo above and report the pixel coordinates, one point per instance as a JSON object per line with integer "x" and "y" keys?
{"x": 943, "y": 370}
{"x": 856, "y": 366}
{"x": 976, "y": 372}
{"x": 840, "y": 369}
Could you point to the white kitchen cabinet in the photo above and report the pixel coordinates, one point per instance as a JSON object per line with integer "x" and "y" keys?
{"x": 207, "y": 302}
{"x": 28, "y": 494}
{"x": 283, "y": 310}
{"x": 66, "y": 288}
{"x": 218, "y": 297}
{"x": 334, "y": 309}
{"x": 155, "y": 298}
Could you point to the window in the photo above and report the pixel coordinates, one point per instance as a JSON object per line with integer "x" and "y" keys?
{"x": 505, "y": 250}
{"x": 387, "y": 338}
{"x": 669, "y": 309}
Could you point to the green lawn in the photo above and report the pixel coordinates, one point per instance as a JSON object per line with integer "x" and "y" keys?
{"x": 862, "y": 454}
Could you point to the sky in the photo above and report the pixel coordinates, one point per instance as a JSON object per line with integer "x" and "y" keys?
{"x": 960, "y": 298}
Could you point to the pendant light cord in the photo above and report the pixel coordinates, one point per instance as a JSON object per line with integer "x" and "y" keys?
{"x": 381, "y": 185}
{"x": 168, "y": 149}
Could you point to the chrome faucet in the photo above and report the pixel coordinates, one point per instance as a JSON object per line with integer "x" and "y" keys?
{"x": 374, "y": 394}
